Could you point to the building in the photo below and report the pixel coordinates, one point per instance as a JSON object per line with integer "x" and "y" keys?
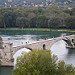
{"x": 9, "y": 0}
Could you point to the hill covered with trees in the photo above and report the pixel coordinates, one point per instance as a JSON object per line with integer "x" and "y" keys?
{"x": 50, "y": 17}
{"x": 37, "y": 3}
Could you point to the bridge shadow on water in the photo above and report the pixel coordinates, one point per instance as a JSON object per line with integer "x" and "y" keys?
{"x": 69, "y": 59}
{"x": 71, "y": 51}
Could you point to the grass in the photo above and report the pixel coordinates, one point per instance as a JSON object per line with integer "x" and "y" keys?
{"x": 40, "y": 29}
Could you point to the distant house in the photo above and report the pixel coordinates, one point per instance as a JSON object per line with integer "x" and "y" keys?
{"x": 69, "y": 8}
{"x": 9, "y": 0}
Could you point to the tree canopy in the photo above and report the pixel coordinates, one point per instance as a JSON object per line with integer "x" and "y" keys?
{"x": 50, "y": 17}
{"x": 41, "y": 62}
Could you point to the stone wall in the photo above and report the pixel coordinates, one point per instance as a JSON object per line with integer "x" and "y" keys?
{"x": 7, "y": 51}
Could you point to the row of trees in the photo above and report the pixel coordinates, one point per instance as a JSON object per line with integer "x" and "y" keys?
{"x": 50, "y": 17}
{"x": 39, "y": 62}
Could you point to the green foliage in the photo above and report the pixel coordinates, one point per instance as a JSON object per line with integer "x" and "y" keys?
{"x": 50, "y": 17}
{"x": 70, "y": 22}
{"x": 64, "y": 69}
{"x": 41, "y": 62}
{"x": 21, "y": 22}
{"x": 54, "y": 22}
{"x": 0, "y": 62}
{"x": 42, "y": 21}
{"x": 35, "y": 63}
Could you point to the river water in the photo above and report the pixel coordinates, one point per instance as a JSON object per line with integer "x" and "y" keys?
{"x": 18, "y": 37}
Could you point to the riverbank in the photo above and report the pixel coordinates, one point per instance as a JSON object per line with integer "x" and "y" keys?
{"x": 40, "y": 29}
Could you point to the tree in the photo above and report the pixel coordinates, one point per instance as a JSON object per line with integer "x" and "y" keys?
{"x": 21, "y": 22}
{"x": 54, "y": 22}
{"x": 63, "y": 16}
{"x": 32, "y": 20}
{"x": 70, "y": 22}
{"x": 36, "y": 62}
{"x": 41, "y": 62}
{"x": 64, "y": 69}
{"x": 8, "y": 18}
{"x": 1, "y": 23}
{"x": 42, "y": 21}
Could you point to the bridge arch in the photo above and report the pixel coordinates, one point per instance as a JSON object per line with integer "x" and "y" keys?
{"x": 68, "y": 41}
{"x": 18, "y": 53}
{"x": 21, "y": 50}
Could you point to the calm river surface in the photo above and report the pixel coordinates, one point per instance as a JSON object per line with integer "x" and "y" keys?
{"x": 18, "y": 37}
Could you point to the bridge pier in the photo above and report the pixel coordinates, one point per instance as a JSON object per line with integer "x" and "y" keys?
{"x": 8, "y": 51}
{"x": 6, "y": 54}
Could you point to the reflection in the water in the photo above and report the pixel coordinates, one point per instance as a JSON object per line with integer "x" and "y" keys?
{"x": 71, "y": 51}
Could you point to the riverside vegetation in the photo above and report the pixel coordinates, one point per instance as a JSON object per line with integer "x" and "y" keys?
{"x": 41, "y": 62}
{"x": 50, "y": 17}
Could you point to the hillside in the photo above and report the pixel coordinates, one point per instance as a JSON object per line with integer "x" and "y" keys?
{"x": 36, "y": 3}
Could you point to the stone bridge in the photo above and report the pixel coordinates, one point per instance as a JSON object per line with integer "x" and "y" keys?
{"x": 46, "y": 44}
{"x": 7, "y": 50}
